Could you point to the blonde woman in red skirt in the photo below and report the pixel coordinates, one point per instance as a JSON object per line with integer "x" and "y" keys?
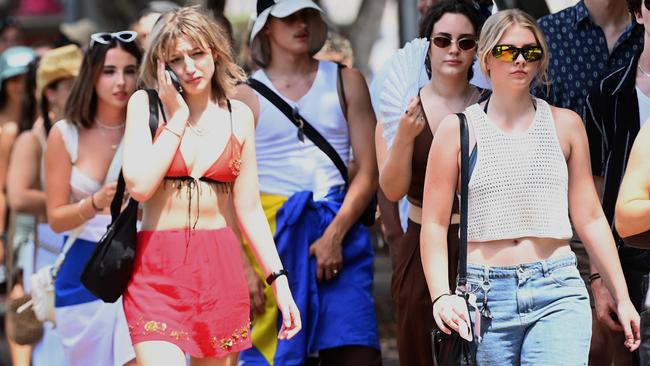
{"x": 195, "y": 178}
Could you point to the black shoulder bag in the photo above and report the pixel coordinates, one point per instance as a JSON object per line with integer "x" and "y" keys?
{"x": 452, "y": 349}
{"x": 306, "y": 129}
{"x": 109, "y": 268}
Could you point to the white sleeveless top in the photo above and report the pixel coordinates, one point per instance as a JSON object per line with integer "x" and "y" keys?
{"x": 285, "y": 164}
{"x": 519, "y": 186}
{"x": 81, "y": 185}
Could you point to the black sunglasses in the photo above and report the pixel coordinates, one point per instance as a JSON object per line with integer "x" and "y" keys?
{"x": 107, "y": 38}
{"x": 465, "y": 43}
{"x": 509, "y": 53}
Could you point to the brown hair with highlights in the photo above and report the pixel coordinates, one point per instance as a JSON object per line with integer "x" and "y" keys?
{"x": 197, "y": 28}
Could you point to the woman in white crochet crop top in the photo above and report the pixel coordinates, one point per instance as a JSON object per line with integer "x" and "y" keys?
{"x": 531, "y": 172}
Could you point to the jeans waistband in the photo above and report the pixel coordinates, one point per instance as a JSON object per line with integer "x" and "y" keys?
{"x": 543, "y": 267}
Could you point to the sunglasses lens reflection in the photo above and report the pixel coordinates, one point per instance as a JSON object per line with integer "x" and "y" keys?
{"x": 442, "y": 42}
{"x": 466, "y": 44}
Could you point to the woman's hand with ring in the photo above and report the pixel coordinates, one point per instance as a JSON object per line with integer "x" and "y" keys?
{"x": 412, "y": 122}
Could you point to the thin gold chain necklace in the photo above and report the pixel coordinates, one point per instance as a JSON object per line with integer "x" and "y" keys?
{"x": 643, "y": 71}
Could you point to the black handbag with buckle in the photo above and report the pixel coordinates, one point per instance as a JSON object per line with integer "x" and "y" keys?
{"x": 452, "y": 349}
{"x": 367, "y": 218}
{"x": 108, "y": 271}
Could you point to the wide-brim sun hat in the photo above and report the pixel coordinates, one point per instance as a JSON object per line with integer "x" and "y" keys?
{"x": 282, "y": 9}
{"x": 14, "y": 61}
{"x": 59, "y": 63}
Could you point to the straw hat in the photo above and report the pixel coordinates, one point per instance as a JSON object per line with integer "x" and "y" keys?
{"x": 281, "y": 9}
{"x": 59, "y": 63}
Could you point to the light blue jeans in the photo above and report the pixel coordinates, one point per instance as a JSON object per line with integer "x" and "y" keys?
{"x": 540, "y": 313}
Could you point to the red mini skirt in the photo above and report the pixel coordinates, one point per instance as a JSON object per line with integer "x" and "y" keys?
{"x": 188, "y": 288}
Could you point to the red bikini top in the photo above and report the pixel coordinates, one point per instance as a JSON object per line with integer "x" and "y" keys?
{"x": 225, "y": 168}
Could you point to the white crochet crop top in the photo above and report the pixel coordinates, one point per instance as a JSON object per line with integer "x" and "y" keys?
{"x": 519, "y": 186}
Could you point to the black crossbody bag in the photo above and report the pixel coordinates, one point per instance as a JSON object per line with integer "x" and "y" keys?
{"x": 306, "y": 129}
{"x": 452, "y": 349}
{"x": 108, "y": 271}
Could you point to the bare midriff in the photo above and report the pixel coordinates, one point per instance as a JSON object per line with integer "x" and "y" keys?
{"x": 516, "y": 251}
{"x": 169, "y": 208}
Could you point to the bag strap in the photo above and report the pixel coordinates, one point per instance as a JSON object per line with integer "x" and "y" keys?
{"x": 464, "y": 180}
{"x": 116, "y": 204}
{"x": 300, "y": 122}
{"x": 342, "y": 90}
{"x": 74, "y": 234}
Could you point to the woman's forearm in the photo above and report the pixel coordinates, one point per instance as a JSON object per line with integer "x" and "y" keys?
{"x": 257, "y": 232}
{"x": 70, "y": 216}
{"x": 598, "y": 240}
{"x": 28, "y": 201}
{"x": 433, "y": 250}
{"x": 395, "y": 174}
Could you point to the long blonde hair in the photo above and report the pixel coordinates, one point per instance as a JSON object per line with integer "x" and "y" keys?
{"x": 494, "y": 28}
{"x": 196, "y": 27}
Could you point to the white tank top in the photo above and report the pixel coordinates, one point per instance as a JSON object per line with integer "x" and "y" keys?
{"x": 644, "y": 106}
{"x": 285, "y": 164}
{"x": 519, "y": 186}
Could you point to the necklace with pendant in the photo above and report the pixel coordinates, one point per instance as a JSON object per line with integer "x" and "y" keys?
{"x": 199, "y": 131}
{"x": 108, "y": 131}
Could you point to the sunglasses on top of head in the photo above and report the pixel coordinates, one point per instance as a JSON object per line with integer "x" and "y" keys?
{"x": 509, "y": 53}
{"x": 107, "y": 38}
{"x": 465, "y": 43}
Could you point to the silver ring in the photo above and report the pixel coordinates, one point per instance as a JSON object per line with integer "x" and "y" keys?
{"x": 336, "y": 272}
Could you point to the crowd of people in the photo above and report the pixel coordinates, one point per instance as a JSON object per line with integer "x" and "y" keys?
{"x": 256, "y": 189}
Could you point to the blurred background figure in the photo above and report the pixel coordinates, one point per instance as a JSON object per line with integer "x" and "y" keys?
{"x": 337, "y": 49}
{"x": 14, "y": 64}
{"x": 78, "y": 32}
{"x": 148, "y": 17}
{"x": 10, "y": 33}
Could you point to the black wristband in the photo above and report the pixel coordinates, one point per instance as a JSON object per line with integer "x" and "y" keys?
{"x": 438, "y": 298}
{"x": 593, "y": 277}
{"x": 274, "y": 275}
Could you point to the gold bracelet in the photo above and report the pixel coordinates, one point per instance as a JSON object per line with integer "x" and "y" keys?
{"x": 80, "y": 209}
{"x": 92, "y": 202}
{"x": 173, "y": 132}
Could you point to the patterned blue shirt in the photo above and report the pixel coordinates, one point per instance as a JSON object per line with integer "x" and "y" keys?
{"x": 579, "y": 57}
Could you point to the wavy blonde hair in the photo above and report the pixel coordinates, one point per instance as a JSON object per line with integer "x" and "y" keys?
{"x": 197, "y": 28}
{"x": 494, "y": 28}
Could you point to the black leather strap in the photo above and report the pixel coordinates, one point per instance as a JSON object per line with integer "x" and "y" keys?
{"x": 464, "y": 180}
{"x": 309, "y": 130}
{"x": 116, "y": 204}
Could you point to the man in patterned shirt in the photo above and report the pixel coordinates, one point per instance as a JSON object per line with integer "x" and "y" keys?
{"x": 586, "y": 42}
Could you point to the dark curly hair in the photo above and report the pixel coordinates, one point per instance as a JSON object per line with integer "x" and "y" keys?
{"x": 435, "y": 12}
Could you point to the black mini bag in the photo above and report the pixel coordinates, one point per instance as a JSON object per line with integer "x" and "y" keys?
{"x": 452, "y": 349}
{"x": 108, "y": 271}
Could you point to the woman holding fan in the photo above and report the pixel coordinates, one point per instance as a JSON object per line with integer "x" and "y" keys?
{"x": 452, "y": 28}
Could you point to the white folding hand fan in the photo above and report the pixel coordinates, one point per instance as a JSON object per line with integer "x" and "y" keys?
{"x": 401, "y": 79}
